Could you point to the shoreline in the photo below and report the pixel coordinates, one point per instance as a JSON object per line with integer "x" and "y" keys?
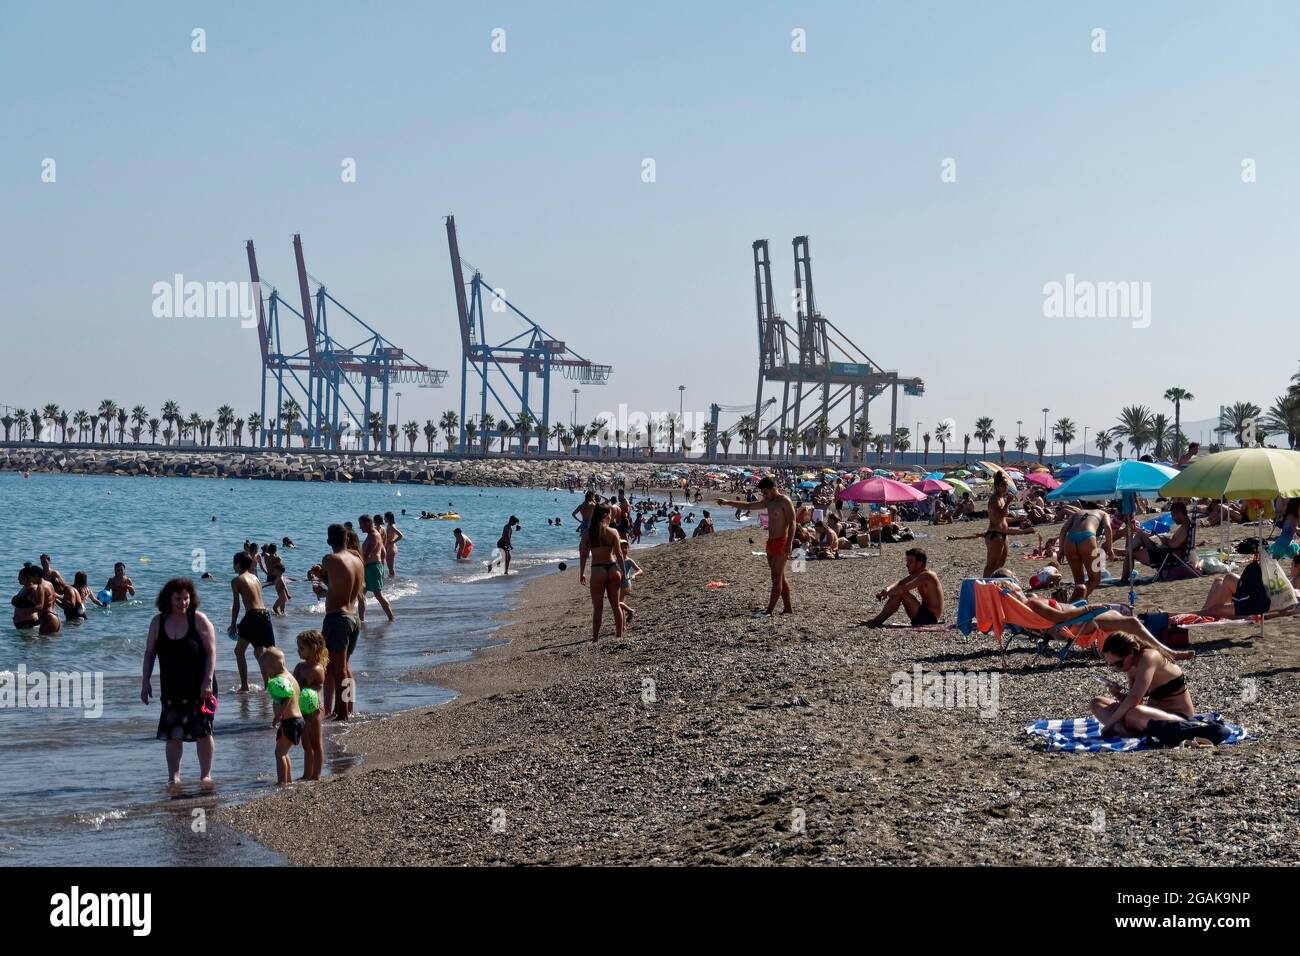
{"x": 775, "y": 742}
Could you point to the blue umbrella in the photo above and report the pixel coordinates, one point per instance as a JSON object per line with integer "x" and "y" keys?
{"x": 1113, "y": 479}
{"x": 936, "y": 475}
{"x": 809, "y": 484}
{"x": 1065, "y": 474}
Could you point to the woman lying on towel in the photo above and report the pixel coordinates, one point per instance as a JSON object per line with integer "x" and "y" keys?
{"x": 1157, "y": 689}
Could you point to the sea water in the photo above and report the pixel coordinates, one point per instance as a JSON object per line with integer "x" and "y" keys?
{"x": 80, "y": 789}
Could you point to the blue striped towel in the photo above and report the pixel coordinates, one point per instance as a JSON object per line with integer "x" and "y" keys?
{"x": 1083, "y": 735}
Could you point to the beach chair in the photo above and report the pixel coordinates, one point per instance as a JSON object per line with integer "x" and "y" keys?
{"x": 996, "y": 612}
{"x": 1180, "y": 565}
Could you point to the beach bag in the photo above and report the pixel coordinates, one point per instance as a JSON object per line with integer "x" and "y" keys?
{"x": 1280, "y": 593}
{"x": 1251, "y": 597}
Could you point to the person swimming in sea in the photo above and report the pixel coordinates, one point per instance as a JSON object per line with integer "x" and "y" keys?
{"x": 122, "y": 587}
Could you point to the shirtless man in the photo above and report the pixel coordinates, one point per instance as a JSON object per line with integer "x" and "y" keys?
{"x": 464, "y": 546}
{"x": 255, "y": 628}
{"x": 345, "y": 581}
{"x": 507, "y": 541}
{"x": 120, "y": 584}
{"x": 780, "y": 535}
{"x": 373, "y": 549}
{"x": 995, "y": 538}
{"x": 925, "y": 607}
{"x": 583, "y": 514}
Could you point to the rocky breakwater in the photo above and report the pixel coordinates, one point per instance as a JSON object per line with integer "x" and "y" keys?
{"x": 287, "y": 465}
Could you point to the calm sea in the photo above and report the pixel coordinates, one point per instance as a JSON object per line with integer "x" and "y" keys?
{"x": 76, "y": 789}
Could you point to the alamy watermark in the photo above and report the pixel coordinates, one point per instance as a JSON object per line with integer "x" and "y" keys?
{"x": 950, "y": 690}
{"x": 1085, "y": 299}
{"x": 206, "y": 300}
{"x": 73, "y": 690}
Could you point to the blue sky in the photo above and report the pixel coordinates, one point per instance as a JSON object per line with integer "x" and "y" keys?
{"x": 1115, "y": 166}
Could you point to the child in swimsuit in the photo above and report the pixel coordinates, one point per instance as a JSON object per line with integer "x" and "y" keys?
{"x": 630, "y": 570}
{"x": 284, "y": 691}
{"x": 310, "y": 675}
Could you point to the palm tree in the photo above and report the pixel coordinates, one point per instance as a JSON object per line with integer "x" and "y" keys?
{"x": 375, "y": 427}
{"x": 671, "y": 422}
{"x": 903, "y": 439}
{"x": 1178, "y": 396}
{"x": 431, "y": 432}
{"x": 578, "y": 434}
{"x": 790, "y": 440}
{"x": 724, "y": 439}
{"x": 107, "y": 413}
{"x": 1119, "y": 449}
{"x": 524, "y": 428}
{"x": 1041, "y": 445}
{"x": 449, "y": 422}
{"x": 254, "y": 426}
{"x": 926, "y": 438}
{"x": 1135, "y": 426}
{"x": 880, "y": 442}
{"x": 35, "y": 416}
{"x": 171, "y": 414}
{"x": 7, "y": 421}
{"x": 771, "y": 437}
{"x": 239, "y": 433}
{"x": 225, "y": 419}
{"x": 153, "y": 430}
{"x": 139, "y": 419}
{"x": 1022, "y": 445}
{"x": 597, "y": 429}
{"x": 560, "y": 435}
{"x": 1238, "y": 418}
{"x": 81, "y": 419}
{"x": 51, "y": 414}
{"x": 488, "y": 424}
{"x": 822, "y": 429}
{"x": 984, "y": 433}
{"x": 412, "y": 433}
{"x": 1063, "y": 431}
{"x": 965, "y": 448}
{"x": 651, "y": 424}
{"x": 542, "y": 433}
{"x": 392, "y": 438}
{"x": 504, "y": 431}
{"x": 1002, "y": 449}
{"x": 195, "y": 425}
{"x": 24, "y": 423}
{"x": 290, "y": 412}
{"x": 810, "y": 439}
{"x": 747, "y": 429}
{"x": 1160, "y": 434}
{"x": 1102, "y": 442}
{"x": 943, "y": 435}
{"x": 1284, "y": 417}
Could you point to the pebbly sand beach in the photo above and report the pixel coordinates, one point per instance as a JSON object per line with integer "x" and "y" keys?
{"x": 769, "y": 742}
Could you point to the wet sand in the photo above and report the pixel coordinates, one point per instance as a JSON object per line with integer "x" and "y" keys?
{"x": 775, "y": 741}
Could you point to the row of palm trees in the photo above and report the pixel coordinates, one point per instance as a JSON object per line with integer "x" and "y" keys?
{"x": 1138, "y": 426}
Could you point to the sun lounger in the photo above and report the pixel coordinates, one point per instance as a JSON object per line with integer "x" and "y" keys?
{"x": 997, "y": 612}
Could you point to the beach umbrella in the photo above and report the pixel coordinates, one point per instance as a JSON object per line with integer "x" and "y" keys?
{"x": 959, "y": 473}
{"x": 881, "y": 491}
{"x": 1067, "y": 473}
{"x": 935, "y": 475}
{"x": 1044, "y": 479}
{"x": 989, "y": 466}
{"x": 932, "y": 486}
{"x": 884, "y": 472}
{"x": 1112, "y": 479}
{"x": 1241, "y": 473}
{"x": 960, "y": 485}
{"x": 808, "y": 484}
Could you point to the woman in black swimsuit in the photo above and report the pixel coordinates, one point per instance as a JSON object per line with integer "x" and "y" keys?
{"x": 1157, "y": 688}
{"x": 27, "y": 602}
{"x": 69, "y": 599}
{"x": 607, "y": 557}
{"x": 185, "y": 644}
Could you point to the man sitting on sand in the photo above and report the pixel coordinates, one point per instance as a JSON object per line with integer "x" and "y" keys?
{"x": 924, "y": 607}
{"x": 780, "y": 534}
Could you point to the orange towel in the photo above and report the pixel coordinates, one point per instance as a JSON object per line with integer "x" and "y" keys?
{"x": 994, "y": 609}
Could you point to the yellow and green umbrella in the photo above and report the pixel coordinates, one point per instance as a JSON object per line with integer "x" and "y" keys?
{"x": 1240, "y": 473}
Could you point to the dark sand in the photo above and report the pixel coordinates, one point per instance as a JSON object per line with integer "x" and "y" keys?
{"x": 758, "y": 724}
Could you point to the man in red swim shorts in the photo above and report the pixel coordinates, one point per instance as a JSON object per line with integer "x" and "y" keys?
{"x": 780, "y": 536}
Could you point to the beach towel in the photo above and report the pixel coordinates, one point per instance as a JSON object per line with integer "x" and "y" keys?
{"x": 1083, "y": 735}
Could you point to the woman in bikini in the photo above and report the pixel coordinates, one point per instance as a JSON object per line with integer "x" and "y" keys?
{"x": 391, "y": 537}
{"x": 69, "y": 599}
{"x": 607, "y": 557}
{"x": 27, "y": 602}
{"x": 1083, "y": 536}
{"x": 1157, "y": 689}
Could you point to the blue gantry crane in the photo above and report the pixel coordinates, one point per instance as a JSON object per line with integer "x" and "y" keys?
{"x": 528, "y": 352}
{"x": 334, "y": 384}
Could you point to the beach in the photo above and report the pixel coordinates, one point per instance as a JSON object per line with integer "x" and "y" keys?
{"x": 704, "y": 736}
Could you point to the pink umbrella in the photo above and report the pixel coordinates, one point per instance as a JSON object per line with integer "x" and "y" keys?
{"x": 1042, "y": 478}
{"x": 932, "y": 486}
{"x": 880, "y": 490}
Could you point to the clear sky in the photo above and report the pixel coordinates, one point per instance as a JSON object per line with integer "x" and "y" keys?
{"x": 1117, "y": 166}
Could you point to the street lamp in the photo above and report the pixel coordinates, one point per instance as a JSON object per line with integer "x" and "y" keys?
{"x": 1085, "y": 440}
{"x": 399, "y": 409}
{"x": 575, "y": 407}
{"x": 1045, "y": 411}
{"x": 681, "y": 400}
